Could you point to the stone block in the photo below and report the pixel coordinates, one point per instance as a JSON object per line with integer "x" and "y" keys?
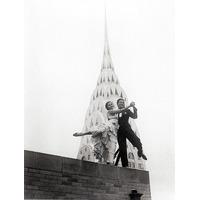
{"x": 52, "y": 173}
{"x": 89, "y": 169}
{"x": 107, "y": 171}
{"x": 30, "y": 159}
{"x": 71, "y": 166}
{"x": 48, "y": 162}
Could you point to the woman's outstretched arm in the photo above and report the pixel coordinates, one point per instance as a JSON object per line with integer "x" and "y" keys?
{"x": 82, "y": 134}
{"x": 93, "y": 133}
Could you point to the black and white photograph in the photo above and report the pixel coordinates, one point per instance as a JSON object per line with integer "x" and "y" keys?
{"x": 99, "y": 99}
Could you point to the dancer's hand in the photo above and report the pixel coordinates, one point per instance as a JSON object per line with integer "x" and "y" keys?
{"x": 75, "y": 134}
{"x": 132, "y": 104}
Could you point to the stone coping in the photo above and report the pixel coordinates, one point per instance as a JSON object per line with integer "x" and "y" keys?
{"x": 65, "y": 165}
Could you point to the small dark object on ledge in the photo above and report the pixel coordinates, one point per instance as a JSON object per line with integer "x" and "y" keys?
{"x": 135, "y": 195}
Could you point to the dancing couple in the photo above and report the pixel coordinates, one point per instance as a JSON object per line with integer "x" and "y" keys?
{"x": 116, "y": 126}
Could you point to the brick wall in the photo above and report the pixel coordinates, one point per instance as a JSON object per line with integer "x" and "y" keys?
{"x": 54, "y": 177}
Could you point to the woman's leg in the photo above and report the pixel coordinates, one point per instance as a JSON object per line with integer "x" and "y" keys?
{"x": 112, "y": 148}
{"x": 117, "y": 160}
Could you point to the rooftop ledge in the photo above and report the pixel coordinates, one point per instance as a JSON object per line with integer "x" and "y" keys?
{"x": 64, "y": 165}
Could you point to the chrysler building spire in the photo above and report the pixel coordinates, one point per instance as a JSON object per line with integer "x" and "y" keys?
{"x": 107, "y": 61}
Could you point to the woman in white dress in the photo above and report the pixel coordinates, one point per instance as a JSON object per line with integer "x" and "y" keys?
{"x": 104, "y": 136}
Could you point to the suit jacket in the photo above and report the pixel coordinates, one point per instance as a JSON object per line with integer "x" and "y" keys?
{"x": 124, "y": 117}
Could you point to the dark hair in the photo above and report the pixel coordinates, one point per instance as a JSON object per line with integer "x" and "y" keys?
{"x": 106, "y": 105}
{"x": 119, "y": 100}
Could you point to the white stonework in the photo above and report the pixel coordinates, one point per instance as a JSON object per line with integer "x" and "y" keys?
{"x": 107, "y": 88}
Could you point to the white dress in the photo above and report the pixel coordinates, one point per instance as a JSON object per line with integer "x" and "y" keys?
{"x": 113, "y": 120}
{"x": 104, "y": 138}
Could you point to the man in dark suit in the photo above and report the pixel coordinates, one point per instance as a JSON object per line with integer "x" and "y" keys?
{"x": 125, "y": 131}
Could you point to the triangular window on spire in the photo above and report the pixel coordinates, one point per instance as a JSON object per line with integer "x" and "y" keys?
{"x": 108, "y": 51}
{"x": 108, "y": 79}
{"x": 116, "y": 93}
{"x": 91, "y": 124}
{"x": 111, "y": 92}
{"x": 104, "y": 79}
{"x": 113, "y": 79}
{"x": 102, "y": 66}
{"x": 107, "y": 94}
{"x": 97, "y": 94}
{"x": 101, "y": 80}
{"x": 121, "y": 95}
{"x": 101, "y": 92}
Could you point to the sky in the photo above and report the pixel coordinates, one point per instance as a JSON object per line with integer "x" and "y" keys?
{"x": 63, "y": 55}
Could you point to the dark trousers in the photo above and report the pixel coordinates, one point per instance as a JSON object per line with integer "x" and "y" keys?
{"x": 128, "y": 133}
{"x": 122, "y": 148}
{"x": 118, "y": 157}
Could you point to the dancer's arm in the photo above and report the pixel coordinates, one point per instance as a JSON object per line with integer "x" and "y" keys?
{"x": 133, "y": 114}
{"x": 112, "y": 112}
{"x": 82, "y": 134}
